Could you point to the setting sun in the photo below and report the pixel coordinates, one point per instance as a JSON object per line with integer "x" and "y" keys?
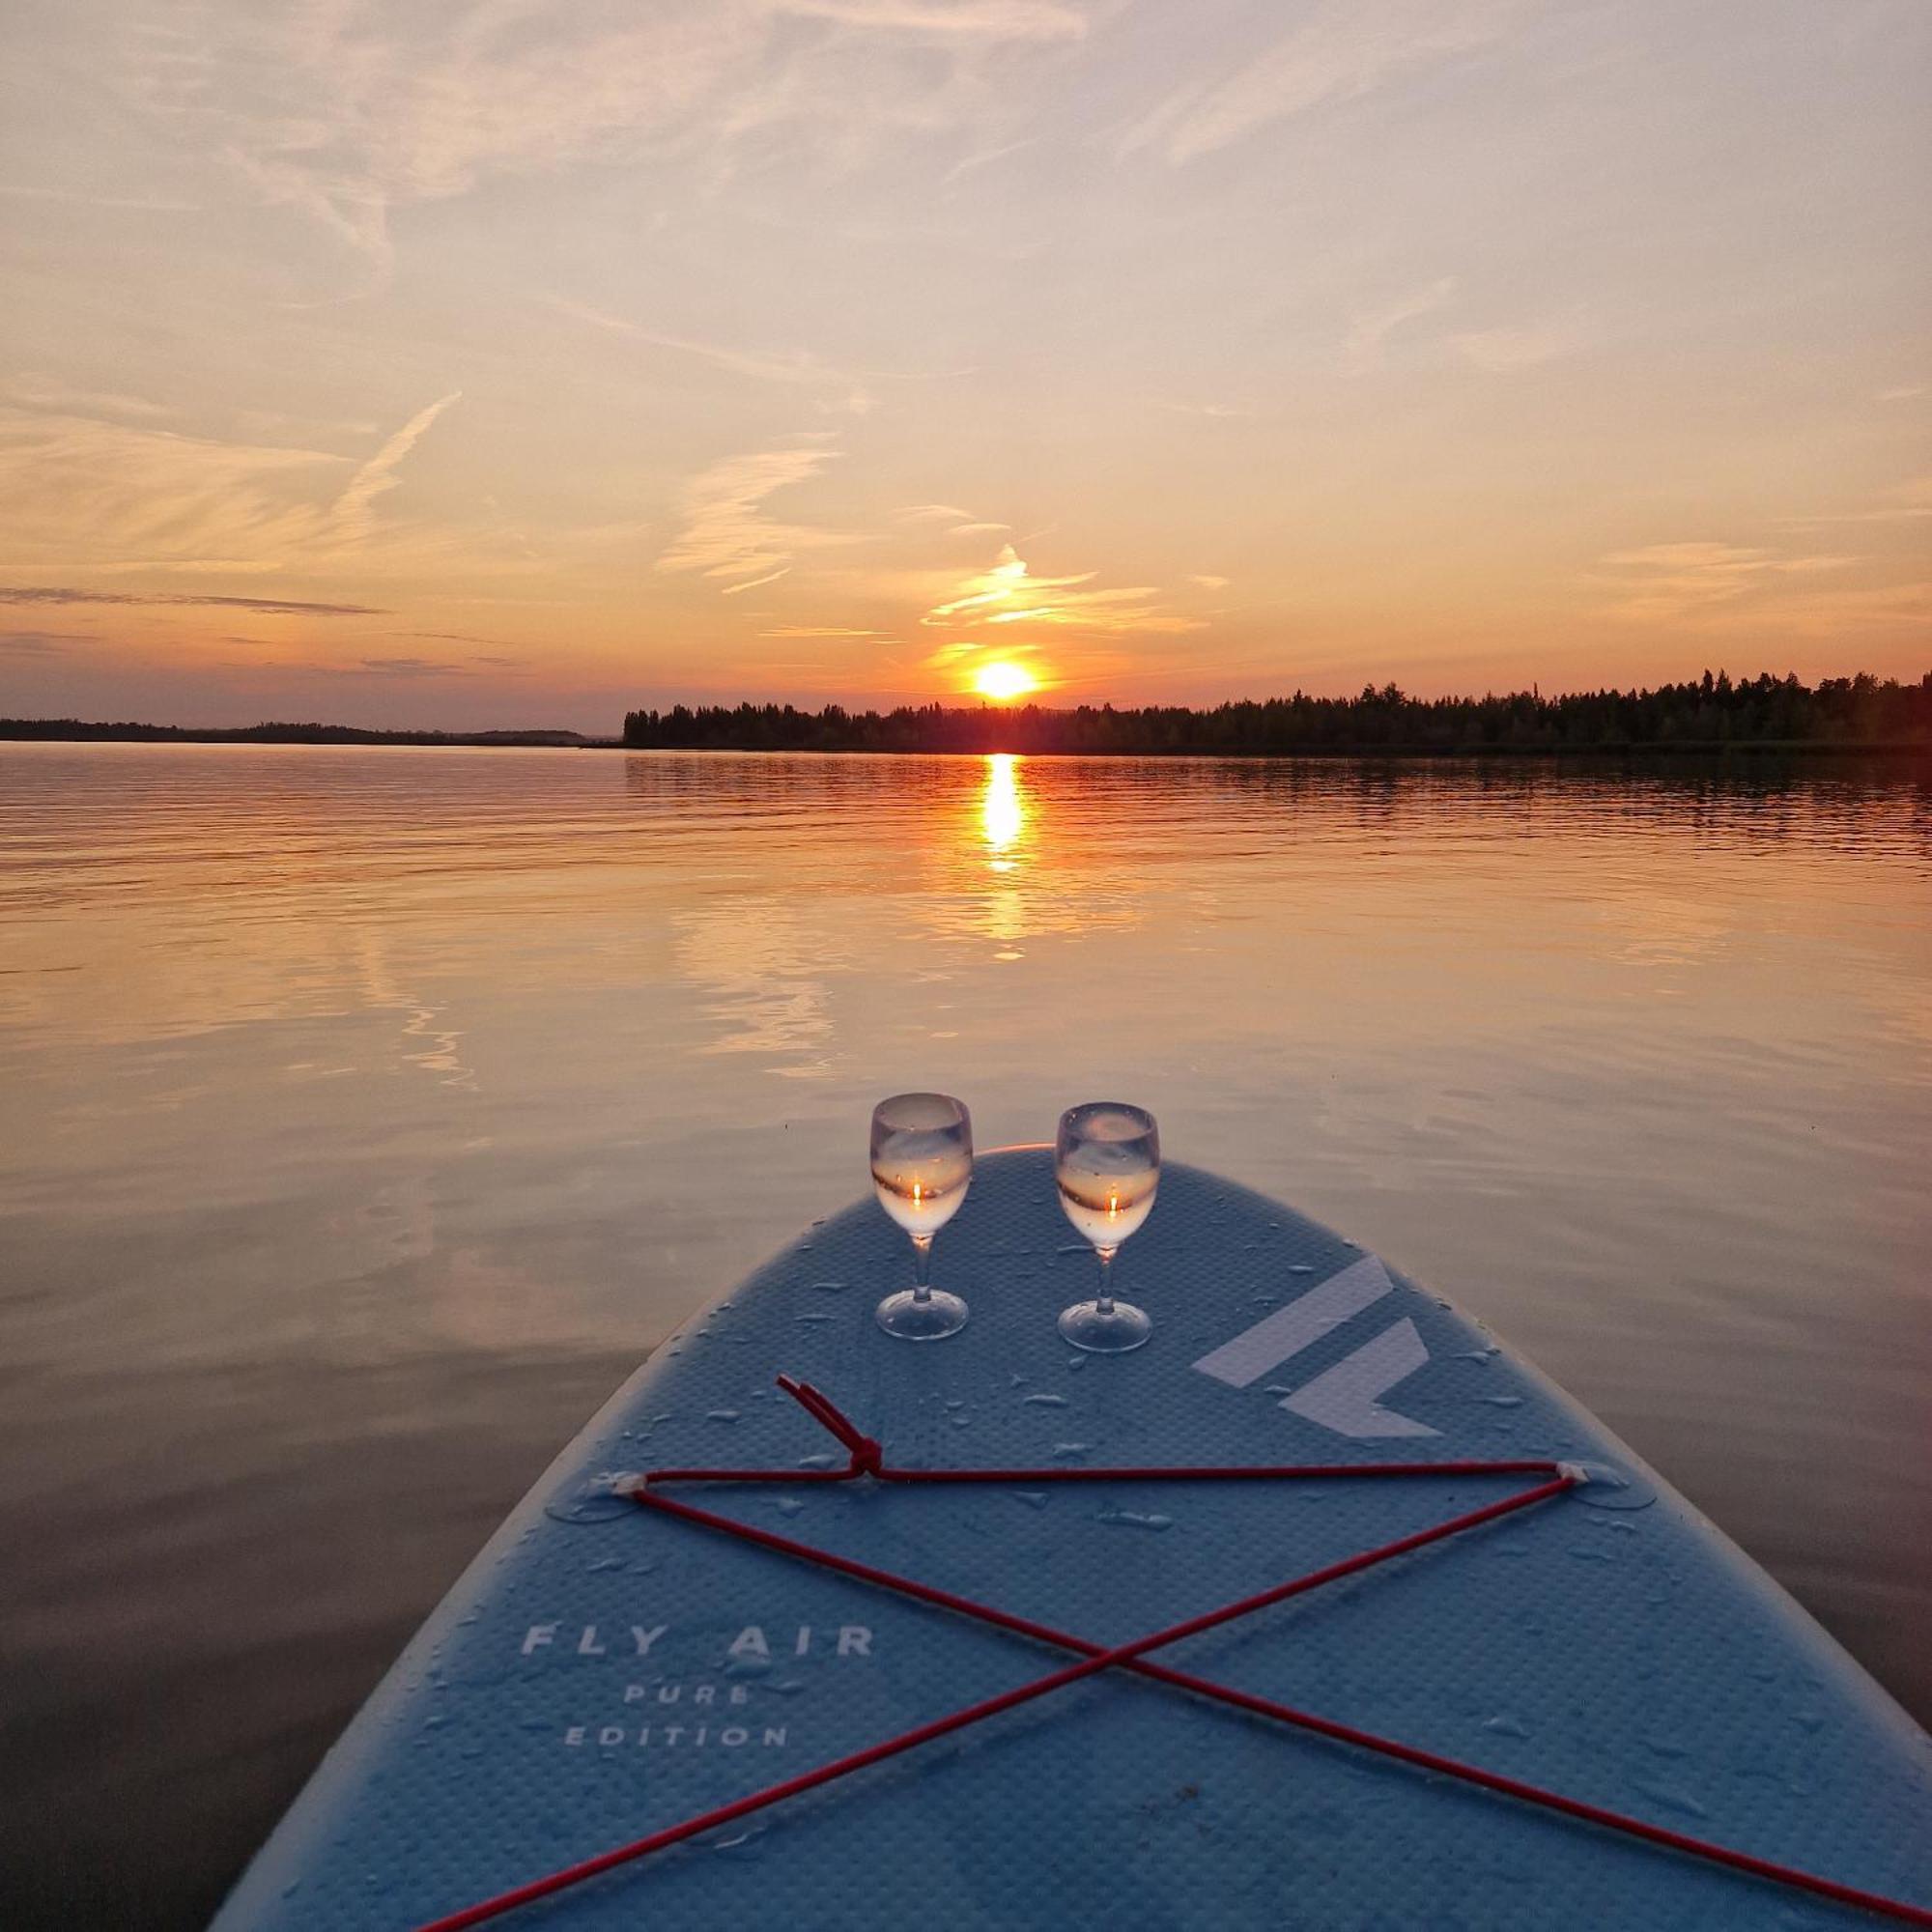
{"x": 1004, "y": 682}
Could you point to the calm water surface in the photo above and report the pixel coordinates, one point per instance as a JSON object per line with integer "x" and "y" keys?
{"x": 367, "y": 1114}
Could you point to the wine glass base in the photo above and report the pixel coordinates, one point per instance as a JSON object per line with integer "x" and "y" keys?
{"x": 1110, "y": 1331}
{"x": 912, "y": 1320}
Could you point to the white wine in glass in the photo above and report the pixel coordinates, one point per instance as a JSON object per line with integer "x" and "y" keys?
{"x": 1106, "y": 1159}
{"x": 922, "y": 1165}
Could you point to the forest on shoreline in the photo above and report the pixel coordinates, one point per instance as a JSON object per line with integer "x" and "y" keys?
{"x": 1710, "y": 713}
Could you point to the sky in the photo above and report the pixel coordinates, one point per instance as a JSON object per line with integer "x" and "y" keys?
{"x": 496, "y": 362}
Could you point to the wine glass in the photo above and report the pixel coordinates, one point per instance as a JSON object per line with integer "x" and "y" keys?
{"x": 1107, "y": 1162}
{"x": 921, "y": 1164}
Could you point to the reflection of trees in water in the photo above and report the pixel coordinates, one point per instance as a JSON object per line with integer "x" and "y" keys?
{"x": 1009, "y": 848}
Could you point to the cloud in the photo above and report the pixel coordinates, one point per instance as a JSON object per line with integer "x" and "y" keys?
{"x": 1218, "y": 411}
{"x": 817, "y": 631}
{"x": 727, "y": 532}
{"x": 344, "y": 111}
{"x": 1501, "y": 350}
{"x": 1006, "y": 592}
{"x": 1209, "y": 583}
{"x": 795, "y": 366}
{"x": 40, "y": 643}
{"x": 107, "y": 493}
{"x": 1362, "y": 349}
{"x": 1907, "y": 502}
{"x": 756, "y": 582}
{"x": 352, "y": 516}
{"x": 1669, "y": 582}
{"x": 984, "y": 157}
{"x": 48, "y": 392}
{"x": 413, "y": 668}
{"x": 279, "y": 607}
{"x": 76, "y": 198}
{"x": 1344, "y": 50}
{"x": 930, "y": 513}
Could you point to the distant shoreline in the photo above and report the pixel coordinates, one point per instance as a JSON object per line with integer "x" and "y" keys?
{"x": 487, "y": 741}
{"x": 81, "y": 731}
{"x": 1767, "y": 714}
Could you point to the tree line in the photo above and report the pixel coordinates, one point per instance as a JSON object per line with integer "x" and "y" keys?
{"x": 1710, "y": 711}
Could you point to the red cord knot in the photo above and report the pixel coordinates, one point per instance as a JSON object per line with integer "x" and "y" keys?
{"x": 866, "y": 1457}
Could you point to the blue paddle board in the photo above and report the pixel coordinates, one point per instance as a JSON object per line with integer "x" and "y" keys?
{"x": 602, "y": 1670}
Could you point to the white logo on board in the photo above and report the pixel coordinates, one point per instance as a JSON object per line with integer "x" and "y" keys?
{"x": 1347, "y": 1397}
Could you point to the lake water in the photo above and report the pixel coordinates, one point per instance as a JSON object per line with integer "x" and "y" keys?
{"x": 366, "y": 1113}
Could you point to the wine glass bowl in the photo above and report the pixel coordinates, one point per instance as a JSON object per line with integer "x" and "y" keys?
{"x": 1106, "y": 1161}
{"x": 921, "y": 1153}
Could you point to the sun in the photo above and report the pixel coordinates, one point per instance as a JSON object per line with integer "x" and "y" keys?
{"x": 1004, "y": 681}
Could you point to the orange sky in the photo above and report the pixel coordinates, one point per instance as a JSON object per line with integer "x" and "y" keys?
{"x": 478, "y": 362}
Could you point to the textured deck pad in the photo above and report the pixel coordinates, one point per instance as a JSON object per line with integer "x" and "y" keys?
{"x": 601, "y": 1671}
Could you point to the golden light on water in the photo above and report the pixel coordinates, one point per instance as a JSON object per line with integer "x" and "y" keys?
{"x": 1004, "y": 681}
{"x": 1002, "y": 815}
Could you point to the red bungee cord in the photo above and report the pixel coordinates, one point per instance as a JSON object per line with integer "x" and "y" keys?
{"x": 868, "y": 1460}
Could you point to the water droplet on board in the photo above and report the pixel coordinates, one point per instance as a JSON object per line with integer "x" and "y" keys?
{"x": 1672, "y": 1800}
{"x": 788, "y": 1686}
{"x": 821, "y": 1459}
{"x": 1134, "y": 1520}
{"x": 813, "y": 1321}
{"x": 1033, "y": 1498}
{"x": 721, "y": 1415}
{"x": 788, "y": 1506}
{"x": 1502, "y": 1400}
{"x": 1506, "y": 1727}
{"x": 1066, "y": 1452}
{"x": 1587, "y": 1552}
{"x": 605, "y": 1563}
{"x": 958, "y": 1402}
{"x": 1666, "y": 1747}
{"x": 1300, "y": 1267}
{"x": 1043, "y": 1400}
{"x": 829, "y": 1287}
{"x": 1076, "y": 1362}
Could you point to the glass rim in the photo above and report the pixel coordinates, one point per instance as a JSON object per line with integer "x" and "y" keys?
{"x": 1070, "y": 1119}
{"x": 900, "y": 1113}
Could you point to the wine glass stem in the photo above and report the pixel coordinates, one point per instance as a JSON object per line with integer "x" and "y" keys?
{"x": 922, "y": 1267}
{"x": 1105, "y": 1298}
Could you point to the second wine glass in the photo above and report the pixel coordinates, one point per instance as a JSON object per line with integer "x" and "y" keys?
{"x": 922, "y": 1165}
{"x": 1107, "y": 1162}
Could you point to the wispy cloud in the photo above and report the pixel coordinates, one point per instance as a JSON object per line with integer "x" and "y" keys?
{"x": 1670, "y": 581}
{"x": 1501, "y": 349}
{"x": 68, "y": 197}
{"x": 1907, "y": 502}
{"x": 1209, "y": 583}
{"x": 1006, "y": 592}
{"x": 727, "y": 532}
{"x": 817, "y": 631}
{"x": 985, "y": 159}
{"x": 40, "y": 643}
{"x": 280, "y": 607}
{"x": 352, "y": 516}
{"x": 413, "y": 668}
{"x": 1362, "y": 349}
{"x": 756, "y": 582}
{"x": 1343, "y": 50}
{"x": 346, "y": 110}
{"x": 50, "y": 393}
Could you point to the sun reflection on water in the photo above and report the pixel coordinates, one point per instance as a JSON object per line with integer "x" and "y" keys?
{"x": 1002, "y": 808}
